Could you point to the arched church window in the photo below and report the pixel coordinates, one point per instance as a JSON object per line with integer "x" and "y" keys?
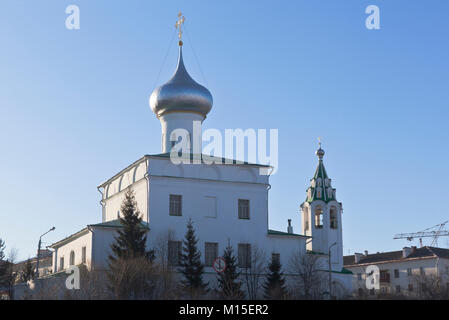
{"x": 318, "y": 217}
{"x": 318, "y": 192}
{"x": 333, "y": 218}
{"x": 72, "y": 258}
{"x": 318, "y": 182}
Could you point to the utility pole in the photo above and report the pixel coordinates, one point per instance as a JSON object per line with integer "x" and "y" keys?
{"x": 36, "y": 275}
{"x": 330, "y": 270}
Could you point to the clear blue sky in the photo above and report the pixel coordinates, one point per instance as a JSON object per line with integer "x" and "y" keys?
{"x": 74, "y": 105}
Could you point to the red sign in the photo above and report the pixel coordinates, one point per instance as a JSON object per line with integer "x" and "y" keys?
{"x": 219, "y": 265}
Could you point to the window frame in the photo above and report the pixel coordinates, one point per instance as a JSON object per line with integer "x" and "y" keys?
{"x": 318, "y": 217}
{"x": 244, "y": 248}
{"x": 172, "y": 257}
{"x": 396, "y": 273}
{"x": 209, "y": 261}
{"x": 275, "y": 256}
{"x": 333, "y": 218}
{"x": 72, "y": 258}
{"x": 244, "y": 215}
{"x": 175, "y": 205}
{"x": 61, "y": 263}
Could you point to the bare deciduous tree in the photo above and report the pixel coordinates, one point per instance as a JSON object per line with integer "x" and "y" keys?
{"x": 308, "y": 280}
{"x": 167, "y": 287}
{"x": 253, "y": 272}
{"x": 430, "y": 287}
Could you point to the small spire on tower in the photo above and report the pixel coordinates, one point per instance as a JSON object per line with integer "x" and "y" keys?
{"x": 178, "y": 25}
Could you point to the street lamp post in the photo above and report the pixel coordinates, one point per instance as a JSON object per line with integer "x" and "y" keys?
{"x": 38, "y": 252}
{"x": 330, "y": 270}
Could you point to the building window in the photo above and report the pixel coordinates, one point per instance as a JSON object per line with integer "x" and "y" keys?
{"x": 244, "y": 254}
{"x": 174, "y": 250}
{"x": 421, "y": 271}
{"x": 61, "y": 263}
{"x": 333, "y": 218}
{"x": 243, "y": 209}
{"x": 398, "y": 289}
{"x": 409, "y": 272}
{"x": 210, "y": 253}
{"x": 276, "y": 257}
{"x": 410, "y": 287}
{"x": 318, "y": 217}
{"x": 175, "y": 205}
{"x": 396, "y": 273}
{"x": 384, "y": 276}
{"x": 83, "y": 255}
{"x": 72, "y": 258}
{"x": 210, "y": 206}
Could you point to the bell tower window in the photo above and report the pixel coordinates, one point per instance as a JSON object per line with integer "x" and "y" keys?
{"x": 333, "y": 218}
{"x": 318, "y": 217}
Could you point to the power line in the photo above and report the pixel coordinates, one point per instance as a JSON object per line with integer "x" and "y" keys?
{"x": 165, "y": 59}
{"x": 196, "y": 58}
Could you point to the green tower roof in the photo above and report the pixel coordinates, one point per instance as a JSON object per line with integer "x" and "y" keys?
{"x": 320, "y": 186}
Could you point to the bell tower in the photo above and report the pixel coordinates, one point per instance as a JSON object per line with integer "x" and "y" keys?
{"x": 321, "y": 216}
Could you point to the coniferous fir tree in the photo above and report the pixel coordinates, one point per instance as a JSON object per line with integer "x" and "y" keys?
{"x": 130, "y": 264}
{"x": 131, "y": 240}
{"x": 274, "y": 286}
{"x": 229, "y": 287}
{"x": 190, "y": 264}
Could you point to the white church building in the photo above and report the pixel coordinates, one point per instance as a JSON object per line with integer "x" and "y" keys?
{"x": 227, "y": 202}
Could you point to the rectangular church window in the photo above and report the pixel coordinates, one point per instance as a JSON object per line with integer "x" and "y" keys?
{"x": 276, "y": 257}
{"x": 61, "y": 263}
{"x": 175, "y": 205}
{"x": 210, "y": 253}
{"x": 210, "y": 207}
{"x": 174, "y": 250}
{"x": 244, "y": 254}
{"x": 243, "y": 209}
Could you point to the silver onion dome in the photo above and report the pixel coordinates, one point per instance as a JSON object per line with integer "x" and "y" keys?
{"x": 181, "y": 94}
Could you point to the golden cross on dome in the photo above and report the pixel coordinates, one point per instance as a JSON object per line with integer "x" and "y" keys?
{"x": 178, "y": 25}
{"x": 319, "y": 141}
